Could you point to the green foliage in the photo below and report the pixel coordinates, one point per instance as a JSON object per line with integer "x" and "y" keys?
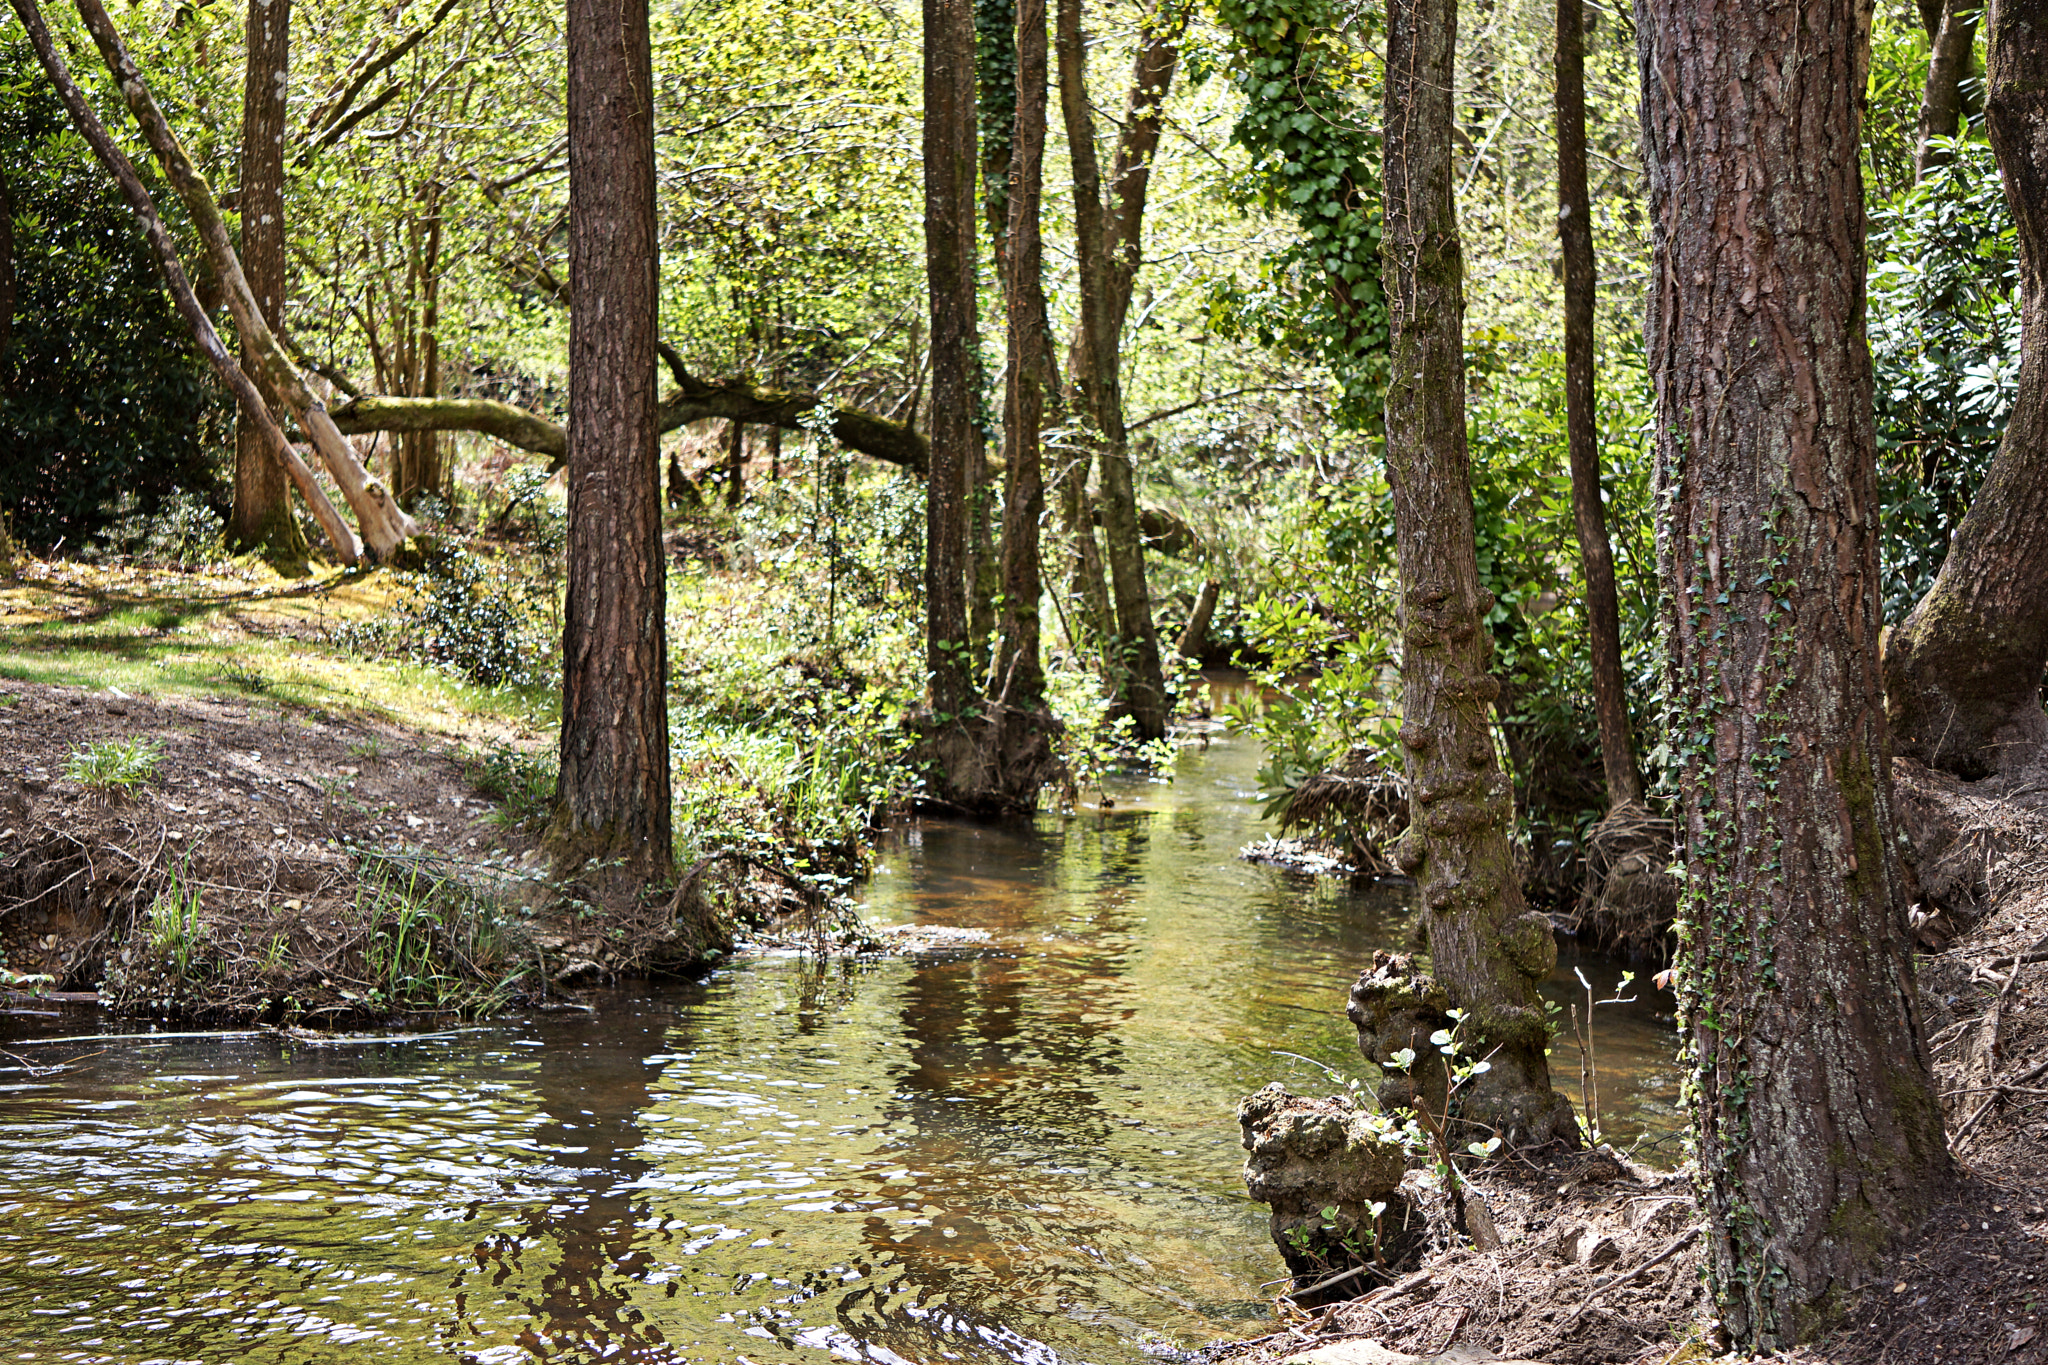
{"x": 488, "y": 619}
{"x": 431, "y": 942}
{"x": 1313, "y": 136}
{"x": 176, "y": 935}
{"x": 1944, "y": 340}
{"x": 113, "y": 765}
{"x": 105, "y": 411}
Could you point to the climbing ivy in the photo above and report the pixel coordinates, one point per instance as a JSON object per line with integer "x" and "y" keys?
{"x": 1309, "y": 125}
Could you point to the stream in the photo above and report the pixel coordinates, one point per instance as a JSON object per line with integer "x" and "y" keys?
{"x": 1018, "y": 1150}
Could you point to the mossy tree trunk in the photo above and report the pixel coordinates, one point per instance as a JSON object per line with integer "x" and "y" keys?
{"x": 612, "y": 800}
{"x": 6, "y": 265}
{"x": 1819, "y": 1134}
{"x": 1963, "y": 671}
{"x": 1488, "y": 952}
{"x": 1596, "y": 552}
{"x": 1109, "y": 241}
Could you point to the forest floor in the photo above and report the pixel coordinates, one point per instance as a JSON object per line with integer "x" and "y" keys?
{"x": 1600, "y": 1258}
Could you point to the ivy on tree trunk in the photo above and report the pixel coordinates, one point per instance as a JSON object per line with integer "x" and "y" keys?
{"x": 1818, "y": 1131}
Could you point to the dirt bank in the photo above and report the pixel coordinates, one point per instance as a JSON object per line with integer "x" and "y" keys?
{"x": 283, "y": 864}
{"x": 1599, "y": 1258}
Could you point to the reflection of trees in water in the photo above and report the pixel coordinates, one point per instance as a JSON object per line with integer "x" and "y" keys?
{"x": 592, "y": 1084}
{"x": 1012, "y": 1059}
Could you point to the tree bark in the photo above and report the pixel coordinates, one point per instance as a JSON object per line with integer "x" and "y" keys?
{"x": 735, "y": 465}
{"x": 1596, "y": 553}
{"x": 1819, "y": 1135}
{"x": 1489, "y": 953}
{"x": 419, "y": 464}
{"x": 1941, "y": 106}
{"x": 1963, "y": 671}
{"x": 262, "y": 516}
{"x": 612, "y": 800}
{"x": 1018, "y": 684}
{"x": 384, "y": 524}
{"x": 1109, "y": 248}
{"x": 208, "y": 341}
{"x": 949, "y": 236}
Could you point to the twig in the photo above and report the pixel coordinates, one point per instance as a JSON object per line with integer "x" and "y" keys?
{"x": 1962, "y": 1134}
{"x": 1678, "y": 1244}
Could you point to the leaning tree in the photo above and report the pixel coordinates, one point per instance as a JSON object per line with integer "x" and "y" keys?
{"x": 1818, "y": 1130}
{"x": 1963, "y": 671}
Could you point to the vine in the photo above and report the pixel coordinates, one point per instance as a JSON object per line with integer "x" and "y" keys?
{"x": 1315, "y": 154}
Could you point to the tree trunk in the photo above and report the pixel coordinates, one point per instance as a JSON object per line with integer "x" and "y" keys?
{"x": 384, "y": 524}
{"x": 949, "y": 237}
{"x": 1018, "y": 684}
{"x": 117, "y": 164}
{"x": 735, "y": 465}
{"x": 1109, "y": 248}
{"x": 1489, "y": 954}
{"x": 419, "y": 465}
{"x": 1596, "y": 553}
{"x": 1963, "y": 672}
{"x": 612, "y": 801}
{"x": 262, "y": 517}
{"x": 6, "y": 266}
{"x": 995, "y": 68}
{"x": 1819, "y": 1135}
{"x": 1941, "y": 107}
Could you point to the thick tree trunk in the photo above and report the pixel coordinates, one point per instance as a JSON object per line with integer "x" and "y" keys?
{"x": 995, "y": 68}
{"x": 1819, "y": 1134}
{"x": 1963, "y": 672}
{"x": 262, "y": 517}
{"x": 117, "y": 164}
{"x": 949, "y": 238}
{"x": 612, "y": 801}
{"x": 419, "y": 465}
{"x": 384, "y": 524}
{"x": 1109, "y": 248}
{"x": 1488, "y": 952}
{"x": 1596, "y": 553}
{"x": 1941, "y": 107}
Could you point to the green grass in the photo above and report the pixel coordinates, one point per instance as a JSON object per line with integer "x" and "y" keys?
{"x": 113, "y": 765}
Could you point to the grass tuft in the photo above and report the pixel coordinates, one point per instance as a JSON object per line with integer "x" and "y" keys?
{"x": 113, "y": 765}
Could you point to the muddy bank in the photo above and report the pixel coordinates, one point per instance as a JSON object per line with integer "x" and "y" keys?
{"x": 225, "y": 860}
{"x": 1598, "y": 1260}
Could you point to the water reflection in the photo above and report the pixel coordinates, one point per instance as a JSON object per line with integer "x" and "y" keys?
{"x": 1023, "y": 1152}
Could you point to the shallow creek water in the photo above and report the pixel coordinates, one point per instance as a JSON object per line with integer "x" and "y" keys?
{"x": 1023, "y": 1150}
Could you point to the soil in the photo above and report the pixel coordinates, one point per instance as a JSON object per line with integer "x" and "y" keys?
{"x": 1970, "y": 1286}
{"x": 273, "y": 865}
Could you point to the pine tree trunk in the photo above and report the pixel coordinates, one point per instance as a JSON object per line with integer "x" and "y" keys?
{"x": 1941, "y": 107}
{"x": 612, "y": 800}
{"x": 1819, "y": 1134}
{"x": 1596, "y": 553}
{"x": 1109, "y": 247}
{"x": 1489, "y": 953}
{"x": 949, "y": 235}
{"x": 1963, "y": 672}
{"x": 262, "y": 517}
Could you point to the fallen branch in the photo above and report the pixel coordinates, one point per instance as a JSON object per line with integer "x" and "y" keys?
{"x": 2035, "y": 1072}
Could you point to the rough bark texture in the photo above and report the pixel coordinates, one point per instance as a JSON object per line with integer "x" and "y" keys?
{"x": 1488, "y": 951}
{"x": 418, "y": 462}
{"x": 384, "y": 524}
{"x": 1941, "y": 106}
{"x": 1963, "y": 672}
{"x": 1596, "y": 553}
{"x": 262, "y": 516}
{"x": 612, "y": 801}
{"x": 1819, "y": 1136}
{"x": 955, "y": 738}
{"x": 1108, "y": 239}
{"x": 195, "y": 314}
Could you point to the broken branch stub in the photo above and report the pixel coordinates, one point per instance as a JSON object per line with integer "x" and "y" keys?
{"x": 385, "y": 525}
